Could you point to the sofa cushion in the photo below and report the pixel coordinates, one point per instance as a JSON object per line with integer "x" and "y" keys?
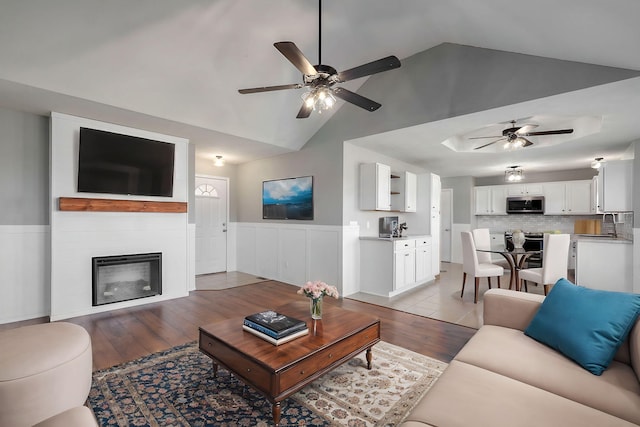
{"x": 466, "y": 395}
{"x": 586, "y": 325}
{"x": 511, "y": 353}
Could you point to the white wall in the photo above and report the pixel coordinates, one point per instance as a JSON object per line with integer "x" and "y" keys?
{"x": 76, "y": 237}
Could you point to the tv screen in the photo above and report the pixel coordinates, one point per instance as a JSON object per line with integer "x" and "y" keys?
{"x": 290, "y": 198}
{"x": 122, "y": 164}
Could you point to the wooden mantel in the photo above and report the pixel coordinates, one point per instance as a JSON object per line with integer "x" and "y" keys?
{"x": 114, "y": 205}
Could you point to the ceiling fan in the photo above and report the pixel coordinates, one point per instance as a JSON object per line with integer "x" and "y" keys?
{"x": 320, "y": 79}
{"x": 515, "y": 135}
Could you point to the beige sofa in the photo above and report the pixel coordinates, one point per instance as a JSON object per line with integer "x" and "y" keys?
{"x": 45, "y": 376}
{"x": 504, "y": 378}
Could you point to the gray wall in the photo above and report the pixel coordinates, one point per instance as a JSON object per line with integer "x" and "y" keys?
{"x": 462, "y": 197}
{"x": 321, "y": 158}
{"x": 24, "y": 168}
{"x": 451, "y": 80}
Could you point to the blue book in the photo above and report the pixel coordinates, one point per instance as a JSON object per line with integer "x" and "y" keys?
{"x": 274, "y": 324}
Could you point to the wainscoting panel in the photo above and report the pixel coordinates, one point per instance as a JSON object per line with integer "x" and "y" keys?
{"x": 24, "y": 269}
{"x": 267, "y": 262}
{"x": 325, "y": 251}
{"x": 291, "y": 253}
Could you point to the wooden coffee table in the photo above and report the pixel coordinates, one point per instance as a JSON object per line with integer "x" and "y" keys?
{"x": 280, "y": 371}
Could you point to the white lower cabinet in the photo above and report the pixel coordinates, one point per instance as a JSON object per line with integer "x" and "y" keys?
{"x": 389, "y": 267}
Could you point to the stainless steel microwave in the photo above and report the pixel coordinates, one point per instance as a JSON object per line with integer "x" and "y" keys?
{"x": 532, "y": 205}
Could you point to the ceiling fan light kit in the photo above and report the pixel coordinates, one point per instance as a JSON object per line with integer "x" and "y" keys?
{"x": 597, "y": 162}
{"x": 513, "y": 174}
{"x": 320, "y": 79}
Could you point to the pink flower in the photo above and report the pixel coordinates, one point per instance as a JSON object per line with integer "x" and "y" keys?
{"x": 318, "y": 289}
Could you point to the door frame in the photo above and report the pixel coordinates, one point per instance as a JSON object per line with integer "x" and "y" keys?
{"x": 224, "y": 178}
{"x": 450, "y": 208}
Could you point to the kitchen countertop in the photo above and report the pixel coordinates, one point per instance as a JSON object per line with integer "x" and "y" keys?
{"x": 600, "y": 238}
{"x": 392, "y": 239}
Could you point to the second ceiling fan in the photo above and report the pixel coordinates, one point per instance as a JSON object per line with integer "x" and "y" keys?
{"x": 320, "y": 79}
{"x": 514, "y": 136}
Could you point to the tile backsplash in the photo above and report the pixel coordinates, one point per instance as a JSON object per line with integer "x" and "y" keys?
{"x": 541, "y": 223}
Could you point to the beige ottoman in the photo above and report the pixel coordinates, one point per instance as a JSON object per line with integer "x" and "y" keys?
{"x": 44, "y": 370}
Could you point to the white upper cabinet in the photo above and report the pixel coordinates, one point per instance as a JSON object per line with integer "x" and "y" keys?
{"x": 617, "y": 178}
{"x": 568, "y": 198}
{"x": 535, "y": 189}
{"x": 491, "y": 200}
{"x": 375, "y": 187}
{"x": 404, "y": 191}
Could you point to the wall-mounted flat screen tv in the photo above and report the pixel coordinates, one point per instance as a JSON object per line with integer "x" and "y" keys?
{"x": 123, "y": 164}
{"x": 290, "y": 198}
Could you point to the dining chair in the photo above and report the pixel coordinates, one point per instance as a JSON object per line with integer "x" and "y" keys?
{"x": 555, "y": 262}
{"x": 482, "y": 240}
{"x": 471, "y": 265}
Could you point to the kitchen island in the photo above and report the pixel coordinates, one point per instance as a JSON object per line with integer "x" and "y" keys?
{"x": 391, "y": 266}
{"x": 604, "y": 262}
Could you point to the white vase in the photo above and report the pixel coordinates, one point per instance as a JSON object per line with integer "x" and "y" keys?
{"x": 518, "y": 239}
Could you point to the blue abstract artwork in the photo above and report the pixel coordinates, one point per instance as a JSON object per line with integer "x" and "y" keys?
{"x": 290, "y": 198}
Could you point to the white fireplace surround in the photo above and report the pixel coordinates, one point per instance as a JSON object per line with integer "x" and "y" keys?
{"x": 78, "y": 236}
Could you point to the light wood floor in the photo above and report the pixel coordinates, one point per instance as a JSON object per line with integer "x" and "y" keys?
{"x": 126, "y": 334}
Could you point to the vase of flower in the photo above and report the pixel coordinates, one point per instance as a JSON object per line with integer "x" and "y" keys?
{"x": 316, "y": 291}
{"x": 316, "y": 308}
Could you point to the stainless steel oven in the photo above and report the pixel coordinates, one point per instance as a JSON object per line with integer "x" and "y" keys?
{"x": 532, "y": 242}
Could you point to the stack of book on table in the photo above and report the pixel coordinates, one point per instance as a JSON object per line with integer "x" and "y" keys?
{"x": 274, "y": 327}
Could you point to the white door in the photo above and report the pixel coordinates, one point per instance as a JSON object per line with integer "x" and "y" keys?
{"x": 446, "y": 201}
{"x": 211, "y": 225}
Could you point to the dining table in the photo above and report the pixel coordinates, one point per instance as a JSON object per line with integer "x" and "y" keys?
{"x": 516, "y": 258}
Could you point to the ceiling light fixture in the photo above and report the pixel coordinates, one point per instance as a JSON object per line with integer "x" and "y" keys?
{"x": 513, "y": 174}
{"x": 597, "y": 162}
{"x": 319, "y": 98}
{"x": 219, "y": 161}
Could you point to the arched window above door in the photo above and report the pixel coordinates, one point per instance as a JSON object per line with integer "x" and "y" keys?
{"x": 207, "y": 190}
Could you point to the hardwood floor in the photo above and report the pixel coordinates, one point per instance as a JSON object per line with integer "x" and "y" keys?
{"x": 123, "y": 335}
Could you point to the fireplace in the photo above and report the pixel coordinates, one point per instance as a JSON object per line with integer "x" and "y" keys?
{"x": 126, "y": 277}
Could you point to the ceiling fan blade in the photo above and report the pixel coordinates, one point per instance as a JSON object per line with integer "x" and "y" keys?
{"x": 296, "y": 57}
{"x": 526, "y": 142}
{"x": 270, "y": 88}
{"x": 547, "y": 132}
{"x": 483, "y": 137}
{"x": 305, "y": 111}
{"x": 356, "y": 99}
{"x": 526, "y": 128}
{"x": 486, "y": 145}
{"x": 384, "y": 64}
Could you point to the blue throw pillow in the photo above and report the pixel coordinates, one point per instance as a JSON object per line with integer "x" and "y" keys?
{"x": 586, "y": 325}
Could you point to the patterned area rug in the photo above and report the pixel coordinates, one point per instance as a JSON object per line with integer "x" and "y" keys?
{"x": 176, "y": 388}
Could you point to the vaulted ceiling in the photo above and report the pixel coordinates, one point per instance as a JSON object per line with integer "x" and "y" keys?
{"x": 175, "y": 67}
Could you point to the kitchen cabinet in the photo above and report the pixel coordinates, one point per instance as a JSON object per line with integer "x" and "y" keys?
{"x": 375, "y": 187}
{"x": 604, "y": 263}
{"x": 568, "y": 198}
{"x": 404, "y": 191}
{"x": 424, "y": 272}
{"x": 491, "y": 200}
{"x": 389, "y": 267}
{"x": 404, "y": 265}
{"x": 617, "y": 179}
{"x": 435, "y": 190}
{"x": 534, "y": 189}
